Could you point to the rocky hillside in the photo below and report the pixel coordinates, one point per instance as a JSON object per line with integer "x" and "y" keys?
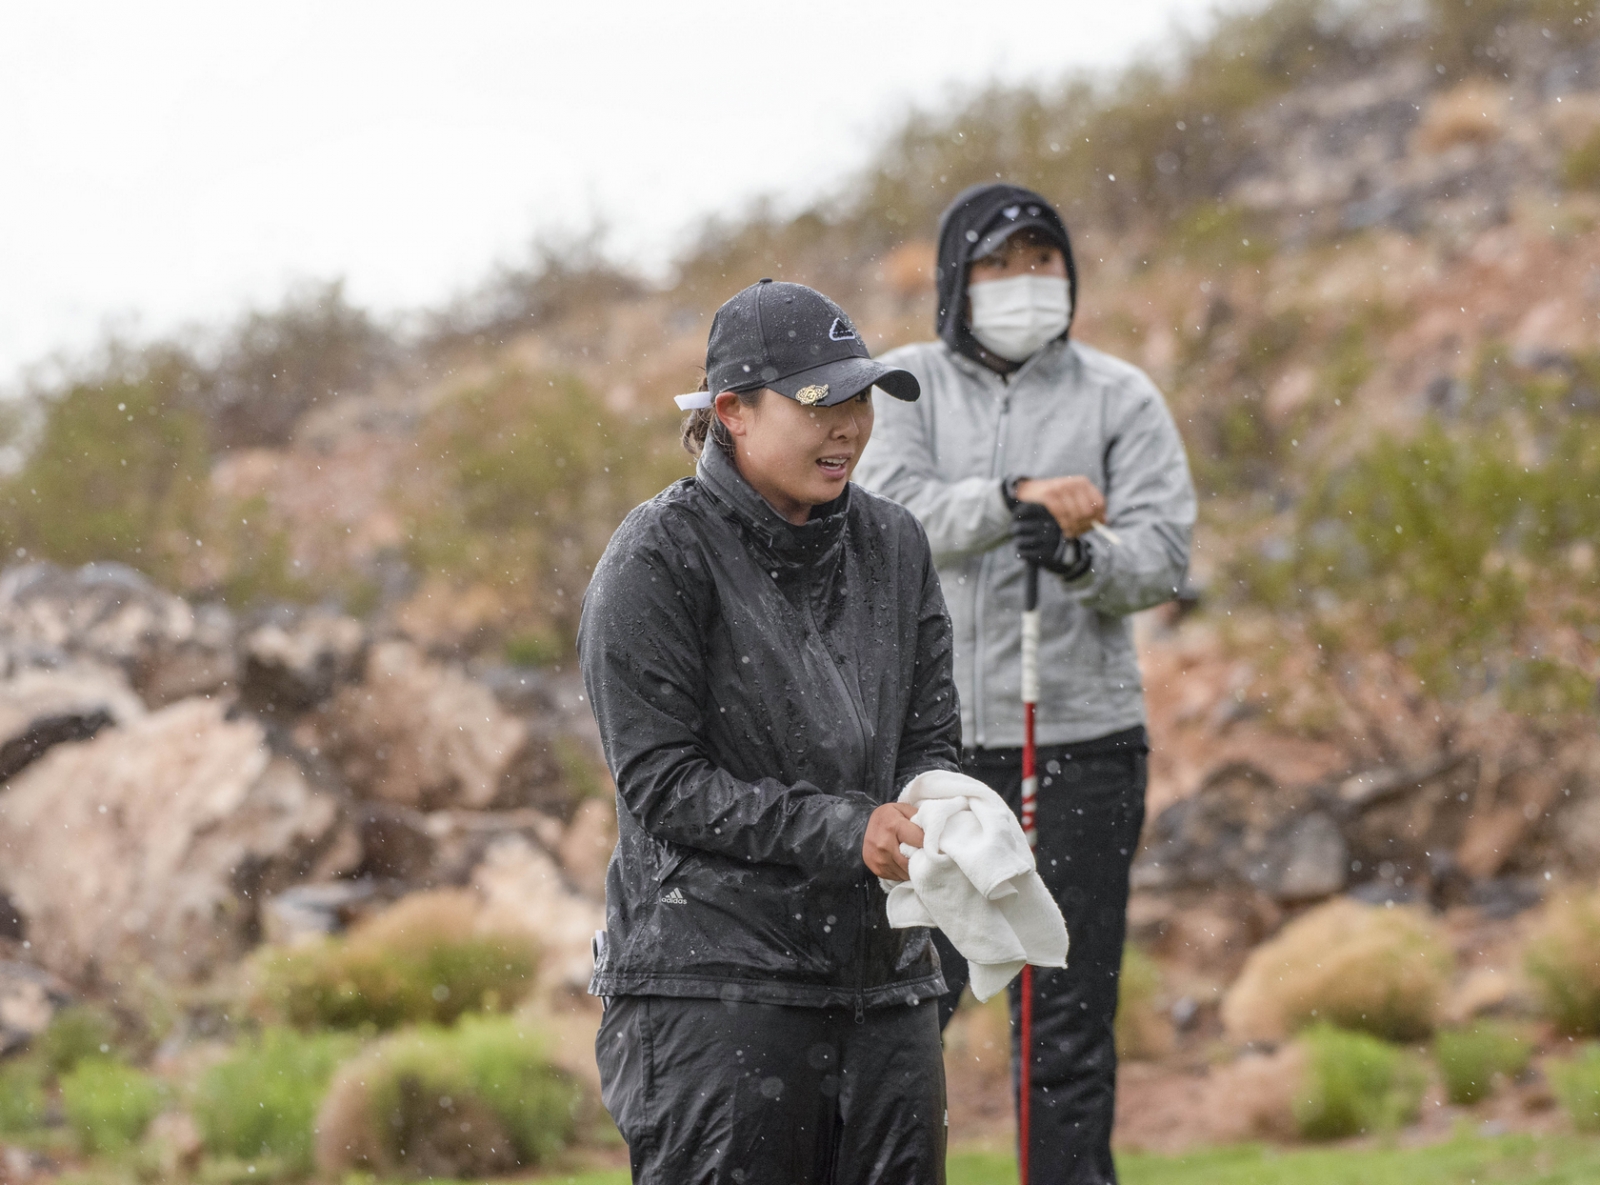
{"x": 182, "y": 784}
{"x": 320, "y": 655}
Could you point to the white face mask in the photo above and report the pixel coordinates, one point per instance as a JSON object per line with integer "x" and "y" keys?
{"x": 1013, "y": 318}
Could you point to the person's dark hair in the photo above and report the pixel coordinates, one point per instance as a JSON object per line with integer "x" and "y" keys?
{"x": 702, "y": 424}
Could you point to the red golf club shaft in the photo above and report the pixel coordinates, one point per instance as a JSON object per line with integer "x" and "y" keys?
{"x": 1030, "y": 788}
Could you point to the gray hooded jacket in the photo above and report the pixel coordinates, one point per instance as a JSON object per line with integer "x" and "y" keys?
{"x": 1068, "y": 410}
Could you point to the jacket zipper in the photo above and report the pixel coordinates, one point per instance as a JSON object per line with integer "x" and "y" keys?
{"x": 861, "y": 955}
{"x": 832, "y": 663}
{"x": 861, "y": 731}
{"x": 996, "y": 471}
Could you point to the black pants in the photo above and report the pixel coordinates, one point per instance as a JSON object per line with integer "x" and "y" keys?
{"x": 1090, "y": 808}
{"x": 756, "y": 1094}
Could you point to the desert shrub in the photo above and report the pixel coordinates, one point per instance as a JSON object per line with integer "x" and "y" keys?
{"x": 1469, "y": 1059}
{"x": 118, "y": 471}
{"x": 1563, "y": 961}
{"x": 1354, "y": 1083}
{"x": 534, "y": 650}
{"x": 1581, "y": 167}
{"x": 262, "y": 1101}
{"x": 274, "y": 365}
{"x": 1434, "y": 547}
{"x": 77, "y": 1033}
{"x": 537, "y": 473}
{"x": 1577, "y": 1085}
{"x": 1380, "y": 971}
{"x": 562, "y": 277}
{"x": 477, "y": 1099}
{"x": 108, "y": 1104}
{"x": 21, "y": 1095}
{"x": 1141, "y": 1030}
{"x": 1159, "y": 142}
{"x": 1468, "y": 38}
{"x": 424, "y": 960}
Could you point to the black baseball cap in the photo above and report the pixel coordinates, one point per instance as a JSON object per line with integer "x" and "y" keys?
{"x": 796, "y": 341}
{"x": 1008, "y": 220}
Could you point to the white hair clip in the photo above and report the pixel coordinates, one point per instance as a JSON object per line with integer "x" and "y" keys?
{"x": 693, "y": 401}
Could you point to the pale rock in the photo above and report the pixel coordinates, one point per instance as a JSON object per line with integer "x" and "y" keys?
{"x": 1484, "y": 990}
{"x": 1490, "y": 839}
{"x": 112, "y": 614}
{"x": 307, "y": 913}
{"x": 297, "y": 665}
{"x": 41, "y": 707}
{"x": 1252, "y": 1098}
{"x": 175, "y": 1141}
{"x": 423, "y": 735}
{"x": 586, "y": 847}
{"x": 29, "y": 997}
{"x": 523, "y": 888}
{"x": 1242, "y": 829}
{"x": 1311, "y": 861}
{"x": 153, "y": 844}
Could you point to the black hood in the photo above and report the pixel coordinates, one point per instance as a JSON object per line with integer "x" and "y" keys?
{"x": 972, "y": 215}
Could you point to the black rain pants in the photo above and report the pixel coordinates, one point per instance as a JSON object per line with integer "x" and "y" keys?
{"x": 724, "y": 1092}
{"x": 1090, "y": 808}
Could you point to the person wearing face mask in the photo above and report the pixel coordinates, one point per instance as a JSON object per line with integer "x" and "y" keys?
{"x": 1030, "y": 447}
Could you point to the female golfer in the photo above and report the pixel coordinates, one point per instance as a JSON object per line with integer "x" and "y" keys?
{"x": 768, "y": 657}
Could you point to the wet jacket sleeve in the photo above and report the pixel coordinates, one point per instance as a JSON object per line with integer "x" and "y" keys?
{"x": 931, "y": 737}
{"x": 962, "y": 518}
{"x": 1150, "y": 503}
{"x": 641, "y": 648}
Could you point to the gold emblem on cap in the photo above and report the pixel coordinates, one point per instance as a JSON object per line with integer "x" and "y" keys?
{"x": 813, "y": 394}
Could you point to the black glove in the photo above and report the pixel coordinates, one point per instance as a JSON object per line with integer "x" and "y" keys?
{"x": 1039, "y": 541}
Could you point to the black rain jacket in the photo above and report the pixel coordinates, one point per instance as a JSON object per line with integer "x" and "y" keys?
{"x": 760, "y": 689}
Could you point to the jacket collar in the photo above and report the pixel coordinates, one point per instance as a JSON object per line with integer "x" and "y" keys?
{"x": 1055, "y": 355}
{"x": 790, "y": 546}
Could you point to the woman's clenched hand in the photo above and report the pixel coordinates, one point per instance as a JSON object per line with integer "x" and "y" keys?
{"x": 888, "y": 828}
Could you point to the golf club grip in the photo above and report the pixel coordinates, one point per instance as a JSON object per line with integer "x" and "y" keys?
{"x": 1030, "y": 637}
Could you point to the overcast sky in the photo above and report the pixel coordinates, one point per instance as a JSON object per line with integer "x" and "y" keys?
{"x": 163, "y": 163}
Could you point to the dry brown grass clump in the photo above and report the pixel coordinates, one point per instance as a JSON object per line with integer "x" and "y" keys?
{"x": 481, "y": 1099}
{"x": 1382, "y": 971}
{"x": 1563, "y": 961}
{"x": 429, "y": 958}
{"x": 1143, "y": 1030}
{"x": 1473, "y": 113}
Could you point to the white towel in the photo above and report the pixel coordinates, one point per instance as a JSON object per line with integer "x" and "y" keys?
{"x": 974, "y": 878}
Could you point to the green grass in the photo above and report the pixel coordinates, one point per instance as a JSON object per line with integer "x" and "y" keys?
{"x": 1354, "y": 1085}
{"x": 1469, "y": 1059}
{"x": 108, "y": 1105}
{"x": 22, "y": 1101}
{"x": 1577, "y": 1085}
{"x": 1506, "y": 1160}
{"x": 78, "y": 1033}
{"x": 262, "y": 1101}
{"x": 1562, "y": 963}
